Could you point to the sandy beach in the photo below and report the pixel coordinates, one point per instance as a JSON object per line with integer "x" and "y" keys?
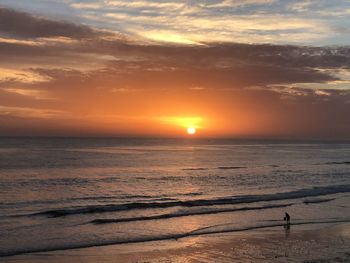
{"x": 321, "y": 243}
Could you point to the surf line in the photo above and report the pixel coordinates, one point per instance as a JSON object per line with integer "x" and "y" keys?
{"x": 173, "y": 215}
{"x": 196, "y": 232}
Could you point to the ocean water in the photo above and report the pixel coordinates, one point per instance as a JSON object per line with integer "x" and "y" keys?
{"x": 66, "y": 193}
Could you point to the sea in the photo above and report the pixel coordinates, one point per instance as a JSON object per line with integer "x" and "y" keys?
{"x": 68, "y": 193}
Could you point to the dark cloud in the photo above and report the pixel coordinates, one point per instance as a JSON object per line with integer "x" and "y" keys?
{"x": 20, "y": 24}
{"x": 232, "y": 65}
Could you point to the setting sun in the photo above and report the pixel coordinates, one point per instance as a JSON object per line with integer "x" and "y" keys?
{"x": 191, "y": 130}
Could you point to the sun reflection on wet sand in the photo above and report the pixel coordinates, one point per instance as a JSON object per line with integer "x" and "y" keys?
{"x": 252, "y": 247}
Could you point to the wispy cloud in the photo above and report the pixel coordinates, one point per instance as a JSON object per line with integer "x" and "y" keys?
{"x": 24, "y": 112}
{"x": 22, "y": 76}
{"x": 35, "y": 93}
{"x": 249, "y": 21}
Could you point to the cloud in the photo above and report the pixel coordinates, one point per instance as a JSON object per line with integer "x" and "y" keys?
{"x": 146, "y": 4}
{"x": 259, "y": 28}
{"x": 29, "y": 112}
{"x": 20, "y": 24}
{"x": 234, "y": 65}
{"x": 35, "y": 93}
{"x": 235, "y": 3}
{"x": 249, "y": 21}
{"x": 22, "y": 76}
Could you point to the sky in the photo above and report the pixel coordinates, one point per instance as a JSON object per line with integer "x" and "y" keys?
{"x": 229, "y": 68}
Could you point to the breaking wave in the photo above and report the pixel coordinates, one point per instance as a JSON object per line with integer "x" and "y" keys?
{"x": 243, "y": 199}
{"x": 185, "y": 213}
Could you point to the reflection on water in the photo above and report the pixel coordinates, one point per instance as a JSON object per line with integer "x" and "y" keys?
{"x": 287, "y": 229}
{"x": 160, "y": 189}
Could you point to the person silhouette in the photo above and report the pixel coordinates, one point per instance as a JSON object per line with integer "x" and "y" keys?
{"x": 287, "y": 218}
{"x": 287, "y": 225}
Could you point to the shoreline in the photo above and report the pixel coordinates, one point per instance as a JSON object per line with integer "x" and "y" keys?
{"x": 299, "y": 243}
{"x": 212, "y": 230}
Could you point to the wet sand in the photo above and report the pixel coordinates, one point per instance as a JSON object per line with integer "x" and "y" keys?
{"x": 322, "y": 243}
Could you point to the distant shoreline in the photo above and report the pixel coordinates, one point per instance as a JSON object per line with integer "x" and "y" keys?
{"x": 220, "y": 140}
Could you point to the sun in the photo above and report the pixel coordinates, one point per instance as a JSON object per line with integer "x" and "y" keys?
{"x": 191, "y": 130}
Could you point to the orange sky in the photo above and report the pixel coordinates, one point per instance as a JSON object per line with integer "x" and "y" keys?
{"x": 60, "y": 77}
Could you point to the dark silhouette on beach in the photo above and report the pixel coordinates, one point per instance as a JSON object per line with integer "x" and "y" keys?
{"x": 287, "y": 218}
{"x": 287, "y": 225}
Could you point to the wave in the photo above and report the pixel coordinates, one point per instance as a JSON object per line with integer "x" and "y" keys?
{"x": 219, "y": 167}
{"x": 185, "y": 213}
{"x": 231, "y": 167}
{"x": 243, "y": 199}
{"x": 192, "y": 194}
{"x": 65, "y": 200}
{"x": 195, "y": 169}
{"x": 226, "y": 228}
{"x": 318, "y": 200}
{"x": 216, "y": 229}
{"x": 345, "y": 162}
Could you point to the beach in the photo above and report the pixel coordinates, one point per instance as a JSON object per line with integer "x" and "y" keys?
{"x": 330, "y": 243}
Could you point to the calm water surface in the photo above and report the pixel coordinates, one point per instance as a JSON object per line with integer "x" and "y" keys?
{"x": 61, "y": 193}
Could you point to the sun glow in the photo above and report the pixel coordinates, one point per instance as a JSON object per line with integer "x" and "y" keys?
{"x": 191, "y": 130}
{"x": 190, "y": 124}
